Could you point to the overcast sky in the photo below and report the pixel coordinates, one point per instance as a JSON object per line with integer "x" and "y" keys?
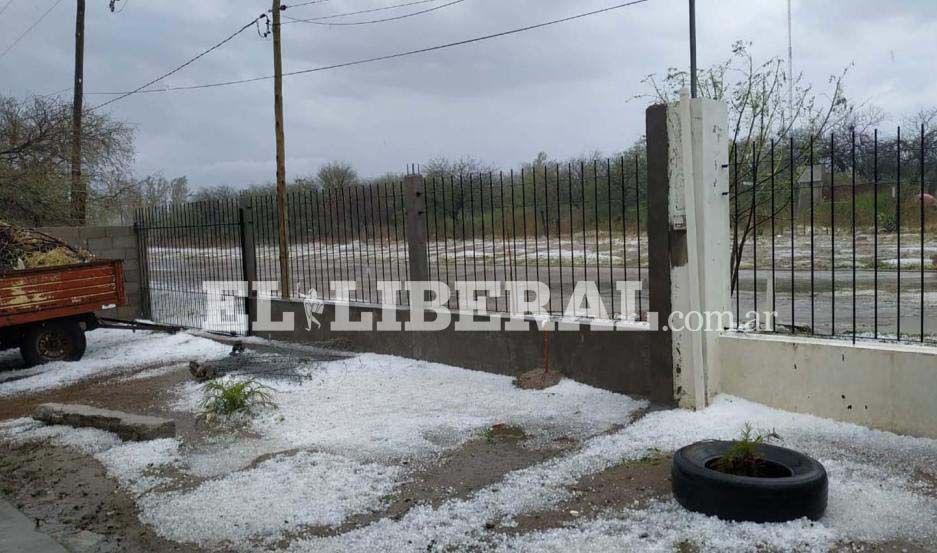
{"x": 565, "y": 89}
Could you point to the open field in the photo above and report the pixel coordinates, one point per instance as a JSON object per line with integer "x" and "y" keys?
{"x": 177, "y": 273}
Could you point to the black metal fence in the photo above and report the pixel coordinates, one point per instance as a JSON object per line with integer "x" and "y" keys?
{"x": 182, "y": 247}
{"x": 559, "y": 224}
{"x": 837, "y": 234}
{"x": 556, "y": 224}
{"x": 354, "y": 233}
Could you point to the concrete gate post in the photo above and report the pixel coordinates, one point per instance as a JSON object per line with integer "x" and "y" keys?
{"x": 688, "y": 181}
{"x": 415, "y": 194}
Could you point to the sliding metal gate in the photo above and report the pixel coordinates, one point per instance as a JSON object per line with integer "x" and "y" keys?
{"x": 183, "y": 248}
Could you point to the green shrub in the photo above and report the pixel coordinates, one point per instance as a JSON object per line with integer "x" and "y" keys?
{"x": 888, "y": 222}
{"x": 239, "y": 397}
{"x": 742, "y": 457}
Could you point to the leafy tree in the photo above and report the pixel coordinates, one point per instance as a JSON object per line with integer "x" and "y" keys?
{"x": 34, "y": 158}
{"x": 449, "y": 174}
{"x": 336, "y": 175}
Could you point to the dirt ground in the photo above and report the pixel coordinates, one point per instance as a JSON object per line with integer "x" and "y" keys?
{"x": 626, "y": 485}
{"x": 476, "y": 465}
{"x": 149, "y": 396}
{"x": 69, "y": 493}
{"x": 73, "y": 500}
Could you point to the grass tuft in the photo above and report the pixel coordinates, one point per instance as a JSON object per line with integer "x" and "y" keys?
{"x": 223, "y": 400}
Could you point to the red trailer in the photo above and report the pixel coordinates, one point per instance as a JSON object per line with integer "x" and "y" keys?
{"x": 46, "y": 311}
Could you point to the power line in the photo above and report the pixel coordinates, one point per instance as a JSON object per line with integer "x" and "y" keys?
{"x": 306, "y": 3}
{"x": 176, "y": 70}
{"x": 381, "y": 58}
{"x": 184, "y": 65}
{"x": 30, "y": 28}
{"x": 404, "y": 16}
{"x": 56, "y": 93}
{"x": 359, "y": 12}
{"x": 5, "y": 6}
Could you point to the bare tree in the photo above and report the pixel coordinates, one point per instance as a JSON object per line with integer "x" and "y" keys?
{"x": 761, "y": 127}
{"x": 442, "y": 167}
{"x": 116, "y": 200}
{"x": 219, "y": 192}
{"x": 925, "y": 121}
{"x": 179, "y": 190}
{"x": 305, "y": 183}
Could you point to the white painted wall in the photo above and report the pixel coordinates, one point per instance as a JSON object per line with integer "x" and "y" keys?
{"x": 885, "y": 386}
{"x": 699, "y": 204}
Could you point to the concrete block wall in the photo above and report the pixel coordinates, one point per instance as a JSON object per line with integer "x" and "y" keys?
{"x": 612, "y": 360}
{"x": 884, "y": 386}
{"x": 118, "y": 242}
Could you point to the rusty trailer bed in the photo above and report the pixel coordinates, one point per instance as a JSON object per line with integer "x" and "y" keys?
{"x": 34, "y": 295}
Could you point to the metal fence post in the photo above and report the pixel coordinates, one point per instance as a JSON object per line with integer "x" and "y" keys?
{"x": 248, "y": 257}
{"x": 139, "y": 229}
{"x": 416, "y": 227}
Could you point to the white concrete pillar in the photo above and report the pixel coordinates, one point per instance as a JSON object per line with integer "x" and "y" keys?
{"x": 699, "y": 205}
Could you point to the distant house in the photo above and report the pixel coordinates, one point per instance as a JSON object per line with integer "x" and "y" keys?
{"x": 810, "y": 179}
{"x": 841, "y": 190}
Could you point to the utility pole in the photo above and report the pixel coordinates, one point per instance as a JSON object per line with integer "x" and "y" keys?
{"x": 693, "y": 84}
{"x": 790, "y": 64}
{"x": 281, "y": 154}
{"x": 79, "y": 194}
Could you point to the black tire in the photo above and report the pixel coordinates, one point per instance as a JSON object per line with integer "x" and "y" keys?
{"x": 53, "y": 341}
{"x": 745, "y": 498}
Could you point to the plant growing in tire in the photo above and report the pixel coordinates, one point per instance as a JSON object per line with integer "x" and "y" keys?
{"x": 749, "y": 480}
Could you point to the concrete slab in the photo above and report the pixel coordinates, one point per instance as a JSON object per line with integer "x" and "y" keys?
{"x": 15, "y": 375}
{"x": 126, "y": 425}
{"x": 18, "y": 533}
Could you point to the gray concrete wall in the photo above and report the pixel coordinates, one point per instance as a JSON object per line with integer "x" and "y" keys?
{"x": 885, "y": 386}
{"x": 111, "y": 243}
{"x": 617, "y": 361}
{"x": 666, "y": 248}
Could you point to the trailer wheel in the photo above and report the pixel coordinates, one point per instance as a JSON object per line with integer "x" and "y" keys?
{"x": 53, "y": 341}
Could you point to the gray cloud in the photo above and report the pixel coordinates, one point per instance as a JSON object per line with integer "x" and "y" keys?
{"x": 564, "y": 89}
